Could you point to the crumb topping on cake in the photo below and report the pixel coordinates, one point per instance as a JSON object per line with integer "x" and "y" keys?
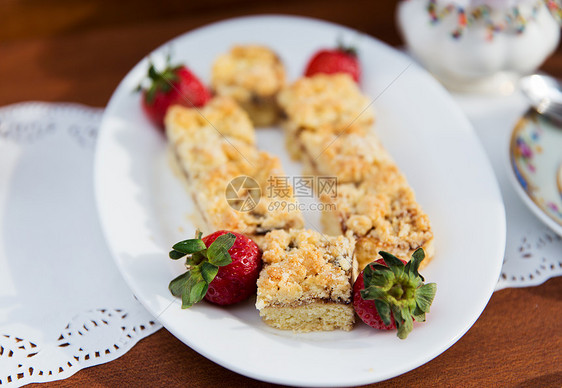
{"x": 350, "y": 157}
{"x": 386, "y": 212}
{"x": 302, "y": 266}
{"x": 220, "y": 118}
{"x": 246, "y": 71}
{"x": 326, "y": 102}
{"x": 220, "y": 135}
{"x": 210, "y": 156}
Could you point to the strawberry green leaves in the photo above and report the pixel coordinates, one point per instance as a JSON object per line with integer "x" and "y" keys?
{"x": 202, "y": 265}
{"x": 424, "y": 298}
{"x": 190, "y": 286}
{"x": 187, "y": 247}
{"x": 218, "y": 250}
{"x": 398, "y": 291}
{"x": 208, "y": 271}
{"x": 159, "y": 81}
{"x": 384, "y": 310}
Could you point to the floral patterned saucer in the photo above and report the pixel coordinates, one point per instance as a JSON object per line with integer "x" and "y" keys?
{"x": 535, "y": 153}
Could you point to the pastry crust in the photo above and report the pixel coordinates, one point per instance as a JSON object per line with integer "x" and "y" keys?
{"x": 382, "y": 212}
{"x": 252, "y": 75}
{"x": 306, "y": 281}
{"x": 329, "y": 130}
{"x": 207, "y": 138}
{"x": 384, "y": 217}
{"x": 210, "y": 152}
{"x": 315, "y": 316}
{"x": 325, "y": 103}
{"x": 351, "y": 157}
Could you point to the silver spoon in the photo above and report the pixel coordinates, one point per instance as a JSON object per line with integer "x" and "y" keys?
{"x": 544, "y": 93}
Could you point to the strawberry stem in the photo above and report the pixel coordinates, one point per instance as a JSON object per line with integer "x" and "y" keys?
{"x": 159, "y": 81}
{"x": 398, "y": 291}
{"x": 348, "y": 49}
{"x": 202, "y": 266}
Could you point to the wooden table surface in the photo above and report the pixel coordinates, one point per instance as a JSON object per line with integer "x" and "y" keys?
{"x": 60, "y": 50}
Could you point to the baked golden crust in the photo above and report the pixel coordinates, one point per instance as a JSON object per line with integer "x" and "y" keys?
{"x": 221, "y": 117}
{"x": 218, "y": 134}
{"x": 326, "y": 130}
{"x": 325, "y": 102}
{"x": 350, "y": 157}
{"x": 383, "y": 214}
{"x": 316, "y": 316}
{"x": 252, "y": 75}
{"x": 305, "y": 268}
{"x": 210, "y": 189}
{"x": 209, "y": 159}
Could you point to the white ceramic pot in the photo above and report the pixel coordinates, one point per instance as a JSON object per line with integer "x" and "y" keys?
{"x": 479, "y": 60}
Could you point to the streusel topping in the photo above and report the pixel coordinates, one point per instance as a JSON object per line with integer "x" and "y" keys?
{"x": 388, "y": 212}
{"x": 214, "y": 145}
{"x": 247, "y": 70}
{"x": 350, "y": 157}
{"x": 220, "y": 118}
{"x": 326, "y": 102}
{"x": 301, "y": 266}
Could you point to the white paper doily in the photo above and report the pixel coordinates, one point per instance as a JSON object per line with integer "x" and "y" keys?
{"x": 533, "y": 252}
{"x": 63, "y": 304}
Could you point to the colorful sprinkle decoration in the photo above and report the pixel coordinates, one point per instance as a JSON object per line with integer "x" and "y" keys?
{"x": 512, "y": 18}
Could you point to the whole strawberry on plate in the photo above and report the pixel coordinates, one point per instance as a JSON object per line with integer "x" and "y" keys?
{"x": 338, "y": 60}
{"x": 175, "y": 85}
{"x": 390, "y": 293}
{"x": 222, "y": 268}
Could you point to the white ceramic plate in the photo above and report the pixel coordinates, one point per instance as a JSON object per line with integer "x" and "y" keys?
{"x": 535, "y": 155}
{"x": 144, "y": 209}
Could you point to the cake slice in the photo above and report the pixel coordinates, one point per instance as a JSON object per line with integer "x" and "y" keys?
{"x": 252, "y": 75}
{"x": 328, "y": 127}
{"x": 375, "y": 202}
{"x": 306, "y": 281}
{"x": 385, "y": 217}
{"x": 233, "y": 185}
{"x": 351, "y": 157}
{"x": 372, "y": 199}
{"x": 206, "y": 138}
{"x": 325, "y": 104}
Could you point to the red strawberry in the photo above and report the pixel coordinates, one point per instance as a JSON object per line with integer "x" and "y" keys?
{"x": 390, "y": 293}
{"x": 175, "y": 85}
{"x": 222, "y": 268}
{"x": 339, "y": 60}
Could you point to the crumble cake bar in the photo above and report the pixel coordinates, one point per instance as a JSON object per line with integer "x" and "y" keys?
{"x": 252, "y": 75}
{"x": 218, "y": 134}
{"x": 350, "y": 156}
{"x": 211, "y": 147}
{"x": 323, "y": 103}
{"x": 374, "y": 199}
{"x": 329, "y": 130}
{"x": 306, "y": 281}
{"x": 382, "y": 216}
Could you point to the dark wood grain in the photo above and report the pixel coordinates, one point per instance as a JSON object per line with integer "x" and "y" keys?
{"x": 64, "y": 50}
{"x": 52, "y": 18}
{"x": 84, "y": 63}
